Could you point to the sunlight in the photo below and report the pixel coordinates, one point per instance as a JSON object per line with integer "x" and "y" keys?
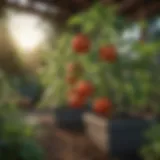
{"x": 28, "y": 39}
{"x": 25, "y": 31}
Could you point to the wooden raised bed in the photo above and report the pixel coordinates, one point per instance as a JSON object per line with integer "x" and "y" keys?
{"x": 117, "y": 137}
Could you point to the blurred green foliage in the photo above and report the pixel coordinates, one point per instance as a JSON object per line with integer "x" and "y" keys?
{"x": 8, "y": 95}
{"x": 17, "y": 137}
{"x": 13, "y": 125}
{"x": 26, "y": 149}
{"x": 151, "y": 150}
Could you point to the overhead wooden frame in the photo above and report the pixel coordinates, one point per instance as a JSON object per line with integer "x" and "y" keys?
{"x": 134, "y": 9}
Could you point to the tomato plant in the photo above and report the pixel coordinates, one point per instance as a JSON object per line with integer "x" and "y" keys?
{"x": 123, "y": 70}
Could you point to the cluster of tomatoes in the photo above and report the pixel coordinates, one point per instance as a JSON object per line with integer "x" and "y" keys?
{"x": 82, "y": 90}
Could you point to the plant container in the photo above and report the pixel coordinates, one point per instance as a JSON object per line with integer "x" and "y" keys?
{"x": 69, "y": 118}
{"x": 117, "y": 136}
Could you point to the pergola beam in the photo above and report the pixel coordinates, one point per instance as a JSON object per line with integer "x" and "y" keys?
{"x": 130, "y": 8}
{"x": 147, "y": 10}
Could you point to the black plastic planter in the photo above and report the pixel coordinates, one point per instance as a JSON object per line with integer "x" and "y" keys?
{"x": 69, "y": 118}
{"x": 117, "y": 137}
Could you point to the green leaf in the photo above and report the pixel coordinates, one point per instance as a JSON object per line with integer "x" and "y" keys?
{"x": 31, "y": 151}
{"x": 147, "y": 48}
{"x": 88, "y": 28}
{"x": 75, "y": 20}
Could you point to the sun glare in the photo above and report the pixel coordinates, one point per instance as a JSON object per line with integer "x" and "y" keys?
{"x": 25, "y": 32}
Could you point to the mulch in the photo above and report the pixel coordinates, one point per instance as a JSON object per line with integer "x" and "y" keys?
{"x": 63, "y": 145}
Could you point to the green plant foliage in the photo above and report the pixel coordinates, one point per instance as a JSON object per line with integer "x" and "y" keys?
{"x": 28, "y": 86}
{"x": 129, "y": 82}
{"x": 16, "y": 135}
{"x": 8, "y": 95}
{"x": 27, "y": 149}
{"x": 57, "y": 71}
{"x": 151, "y": 150}
{"x": 13, "y": 125}
{"x": 31, "y": 150}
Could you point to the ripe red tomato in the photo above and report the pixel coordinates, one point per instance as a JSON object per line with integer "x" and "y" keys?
{"x": 108, "y": 53}
{"x": 81, "y": 44}
{"x": 76, "y": 101}
{"x": 102, "y": 105}
{"x": 84, "y": 88}
{"x": 71, "y": 79}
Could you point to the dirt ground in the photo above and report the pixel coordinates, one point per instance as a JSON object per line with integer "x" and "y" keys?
{"x": 62, "y": 145}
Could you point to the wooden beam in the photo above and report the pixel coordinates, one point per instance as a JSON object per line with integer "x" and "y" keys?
{"x": 153, "y": 9}
{"x": 29, "y": 9}
{"x": 2, "y": 4}
{"x": 73, "y": 6}
{"x": 129, "y": 5}
{"x": 57, "y": 19}
{"x": 135, "y": 9}
{"x": 146, "y": 11}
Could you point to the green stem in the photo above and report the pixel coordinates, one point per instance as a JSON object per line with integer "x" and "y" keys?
{"x": 104, "y": 83}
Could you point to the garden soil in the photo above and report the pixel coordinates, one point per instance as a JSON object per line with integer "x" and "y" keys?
{"x": 63, "y": 145}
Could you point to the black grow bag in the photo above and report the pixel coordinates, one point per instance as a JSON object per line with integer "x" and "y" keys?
{"x": 69, "y": 118}
{"x": 127, "y": 136}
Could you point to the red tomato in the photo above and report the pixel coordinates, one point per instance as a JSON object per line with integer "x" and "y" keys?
{"x": 102, "y": 105}
{"x": 81, "y": 44}
{"x": 108, "y": 53}
{"x": 85, "y": 88}
{"x": 76, "y": 101}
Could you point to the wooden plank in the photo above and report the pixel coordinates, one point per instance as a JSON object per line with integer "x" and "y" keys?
{"x": 134, "y": 9}
{"x": 146, "y": 11}
{"x": 153, "y": 9}
{"x": 32, "y": 10}
{"x": 129, "y": 5}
